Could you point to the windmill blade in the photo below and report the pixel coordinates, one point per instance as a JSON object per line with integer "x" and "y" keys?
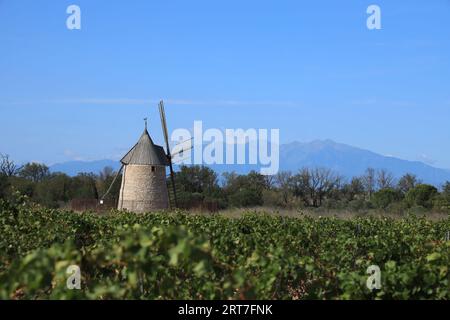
{"x": 181, "y": 155}
{"x": 180, "y": 152}
{"x": 182, "y": 147}
{"x": 162, "y": 115}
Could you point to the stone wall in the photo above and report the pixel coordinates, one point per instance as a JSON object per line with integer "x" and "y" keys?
{"x": 143, "y": 190}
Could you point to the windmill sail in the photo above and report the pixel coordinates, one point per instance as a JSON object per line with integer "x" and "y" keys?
{"x": 173, "y": 193}
{"x": 181, "y": 151}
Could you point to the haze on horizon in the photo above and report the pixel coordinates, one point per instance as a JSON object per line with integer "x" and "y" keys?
{"x": 312, "y": 70}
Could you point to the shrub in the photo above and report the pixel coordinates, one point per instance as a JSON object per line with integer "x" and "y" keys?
{"x": 384, "y": 198}
{"x": 421, "y": 195}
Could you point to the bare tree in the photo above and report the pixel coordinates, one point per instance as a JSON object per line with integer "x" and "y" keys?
{"x": 284, "y": 182}
{"x": 368, "y": 181}
{"x": 407, "y": 182}
{"x": 7, "y": 166}
{"x": 385, "y": 179}
{"x": 323, "y": 182}
{"x": 301, "y": 185}
{"x": 270, "y": 181}
{"x": 352, "y": 189}
{"x": 314, "y": 185}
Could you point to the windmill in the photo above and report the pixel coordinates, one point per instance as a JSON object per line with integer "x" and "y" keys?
{"x": 144, "y": 185}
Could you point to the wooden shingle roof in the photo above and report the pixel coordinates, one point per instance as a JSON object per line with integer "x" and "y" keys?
{"x": 145, "y": 152}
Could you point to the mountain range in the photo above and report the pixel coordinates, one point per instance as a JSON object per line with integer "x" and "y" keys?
{"x": 351, "y": 161}
{"x": 344, "y": 159}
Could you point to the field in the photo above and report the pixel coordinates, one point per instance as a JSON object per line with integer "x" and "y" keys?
{"x": 252, "y": 256}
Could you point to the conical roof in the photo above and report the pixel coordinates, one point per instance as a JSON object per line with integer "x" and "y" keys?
{"x": 145, "y": 152}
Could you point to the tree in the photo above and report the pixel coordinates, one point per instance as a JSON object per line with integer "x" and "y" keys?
{"x": 383, "y": 198}
{"x": 407, "y": 182}
{"x": 23, "y": 186}
{"x": 53, "y": 190}
{"x": 270, "y": 181}
{"x": 446, "y": 189}
{"x": 442, "y": 202}
{"x": 313, "y": 185}
{"x": 35, "y": 172}
{"x": 246, "y": 197}
{"x": 197, "y": 179}
{"x": 4, "y": 186}
{"x": 323, "y": 182}
{"x": 197, "y": 185}
{"x": 83, "y": 186}
{"x": 421, "y": 195}
{"x": 7, "y": 166}
{"x": 245, "y": 190}
{"x": 369, "y": 181}
{"x": 385, "y": 179}
{"x": 301, "y": 185}
{"x": 284, "y": 183}
{"x": 351, "y": 190}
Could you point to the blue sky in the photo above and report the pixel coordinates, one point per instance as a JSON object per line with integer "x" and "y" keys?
{"x": 310, "y": 68}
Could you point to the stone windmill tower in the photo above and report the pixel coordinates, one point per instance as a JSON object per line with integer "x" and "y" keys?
{"x": 144, "y": 186}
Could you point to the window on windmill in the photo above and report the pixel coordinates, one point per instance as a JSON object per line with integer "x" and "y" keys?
{"x": 153, "y": 168}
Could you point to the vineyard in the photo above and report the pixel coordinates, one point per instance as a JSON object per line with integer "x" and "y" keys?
{"x": 180, "y": 256}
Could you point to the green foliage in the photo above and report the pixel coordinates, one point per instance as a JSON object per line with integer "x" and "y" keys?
{"x": 197, "y": 179}
{"x": 245, "y": 190}
{"x": 198, "y": 188}
{"x": 34, "y": 171}
{"x": 446, "y": 189}
{"x": 442, "y": 201}
{"x": 23, "y": 186}
{"x": 4, "y": 185}
{"x": 407, "y": 182}
{"x": 358, "y": 204}
{"x": 274, "y": 198}
{"x": 104, "y": 182}
{"x": 197, "y": 185}
{"x": 246, "y": 197}
{"x": 385, "y": 197}
{"x": 177, "y": 256}
{"x": 83, "y": 186}
{"x": 422, "y": 195}
{"x": 54, "y": 189}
